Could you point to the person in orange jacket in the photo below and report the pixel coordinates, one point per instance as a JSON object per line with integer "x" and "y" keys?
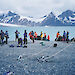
{"x": 35, "y": 35}
{"x": 57, "y": 36}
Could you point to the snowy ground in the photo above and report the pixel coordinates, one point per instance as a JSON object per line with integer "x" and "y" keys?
{"x": 37, "y": 59}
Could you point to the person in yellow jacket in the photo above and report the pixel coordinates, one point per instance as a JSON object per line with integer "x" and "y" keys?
{"x": 41, "y": 35}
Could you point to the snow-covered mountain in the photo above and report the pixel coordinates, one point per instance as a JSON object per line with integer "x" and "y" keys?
{"x": 51, "y": 20}
{"x": 10, "y": 17}
{"x": 66, "y": 18}
{"x": 13, "y": 18}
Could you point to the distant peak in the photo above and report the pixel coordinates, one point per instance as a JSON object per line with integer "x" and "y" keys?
{"x": 69, "y": 11}
{"x": 10, "y": 13}
{"x": 51, "y": 13}
{"x": 30, "y": 16}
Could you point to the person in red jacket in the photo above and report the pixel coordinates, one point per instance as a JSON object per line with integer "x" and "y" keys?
{"x": 48, "y": 38}
{"x": 30, "y": 35}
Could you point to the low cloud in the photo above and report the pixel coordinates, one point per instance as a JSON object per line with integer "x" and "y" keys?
{"x": 37, "y": 8}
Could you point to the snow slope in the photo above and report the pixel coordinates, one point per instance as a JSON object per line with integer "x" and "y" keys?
{"x": 32, "y": 19}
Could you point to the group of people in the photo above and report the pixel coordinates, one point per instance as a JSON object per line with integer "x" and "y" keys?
{"x": 34, "y": 36}
{"x": 65, "y": 36}
{"x": 20, "y": 40}
{"x": 3, "y": 36}
{"x": 44, "y": 37}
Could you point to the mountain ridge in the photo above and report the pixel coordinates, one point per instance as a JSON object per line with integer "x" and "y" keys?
{"x": 67, "y": 18}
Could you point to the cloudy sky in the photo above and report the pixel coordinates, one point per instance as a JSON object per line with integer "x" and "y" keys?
{"x": 36, "y": 8}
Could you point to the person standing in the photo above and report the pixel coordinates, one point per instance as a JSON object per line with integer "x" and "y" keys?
{"x": 32, "y": 33}
{"x": 2, "y": 36}
{"x": 48, "y": 38}
{"x": 67, "y": 39}
{"x": 57, "y": 36}
{"x": 44, "y": 38}
{"x": 25, "y": 37}
{"x": 16, "y": 35}
{"x": 64, "y": 36}
{"x": 6, "y": 36}
{"x": 41, "y": 35}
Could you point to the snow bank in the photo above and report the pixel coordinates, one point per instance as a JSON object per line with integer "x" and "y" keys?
{"x": 32, "y": 19}
{"x": 11, "y": 25}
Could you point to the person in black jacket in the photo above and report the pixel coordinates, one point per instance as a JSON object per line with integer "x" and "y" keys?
{"x": 67, "y": 39}
{"x": 25, "y": 37}
{"x": 6, "y": 36}
{"x": 2, "y": 36}
{"x": 16, "y": 35}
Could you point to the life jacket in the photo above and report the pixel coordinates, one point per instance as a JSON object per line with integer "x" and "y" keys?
{"x": 57, "y": 35}
{"x": 36, "y": 35}
{"x": 41, "y": 35}
{"x": 29, "y": 33}
{"x": 48, "y": 37}
{"x": 32, "y": 37}
{"x": 44, "y": 35}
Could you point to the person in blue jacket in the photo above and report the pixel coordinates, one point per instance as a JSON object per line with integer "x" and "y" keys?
{"x": 32, "y": 33}
{"x": 64, "y": 36}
